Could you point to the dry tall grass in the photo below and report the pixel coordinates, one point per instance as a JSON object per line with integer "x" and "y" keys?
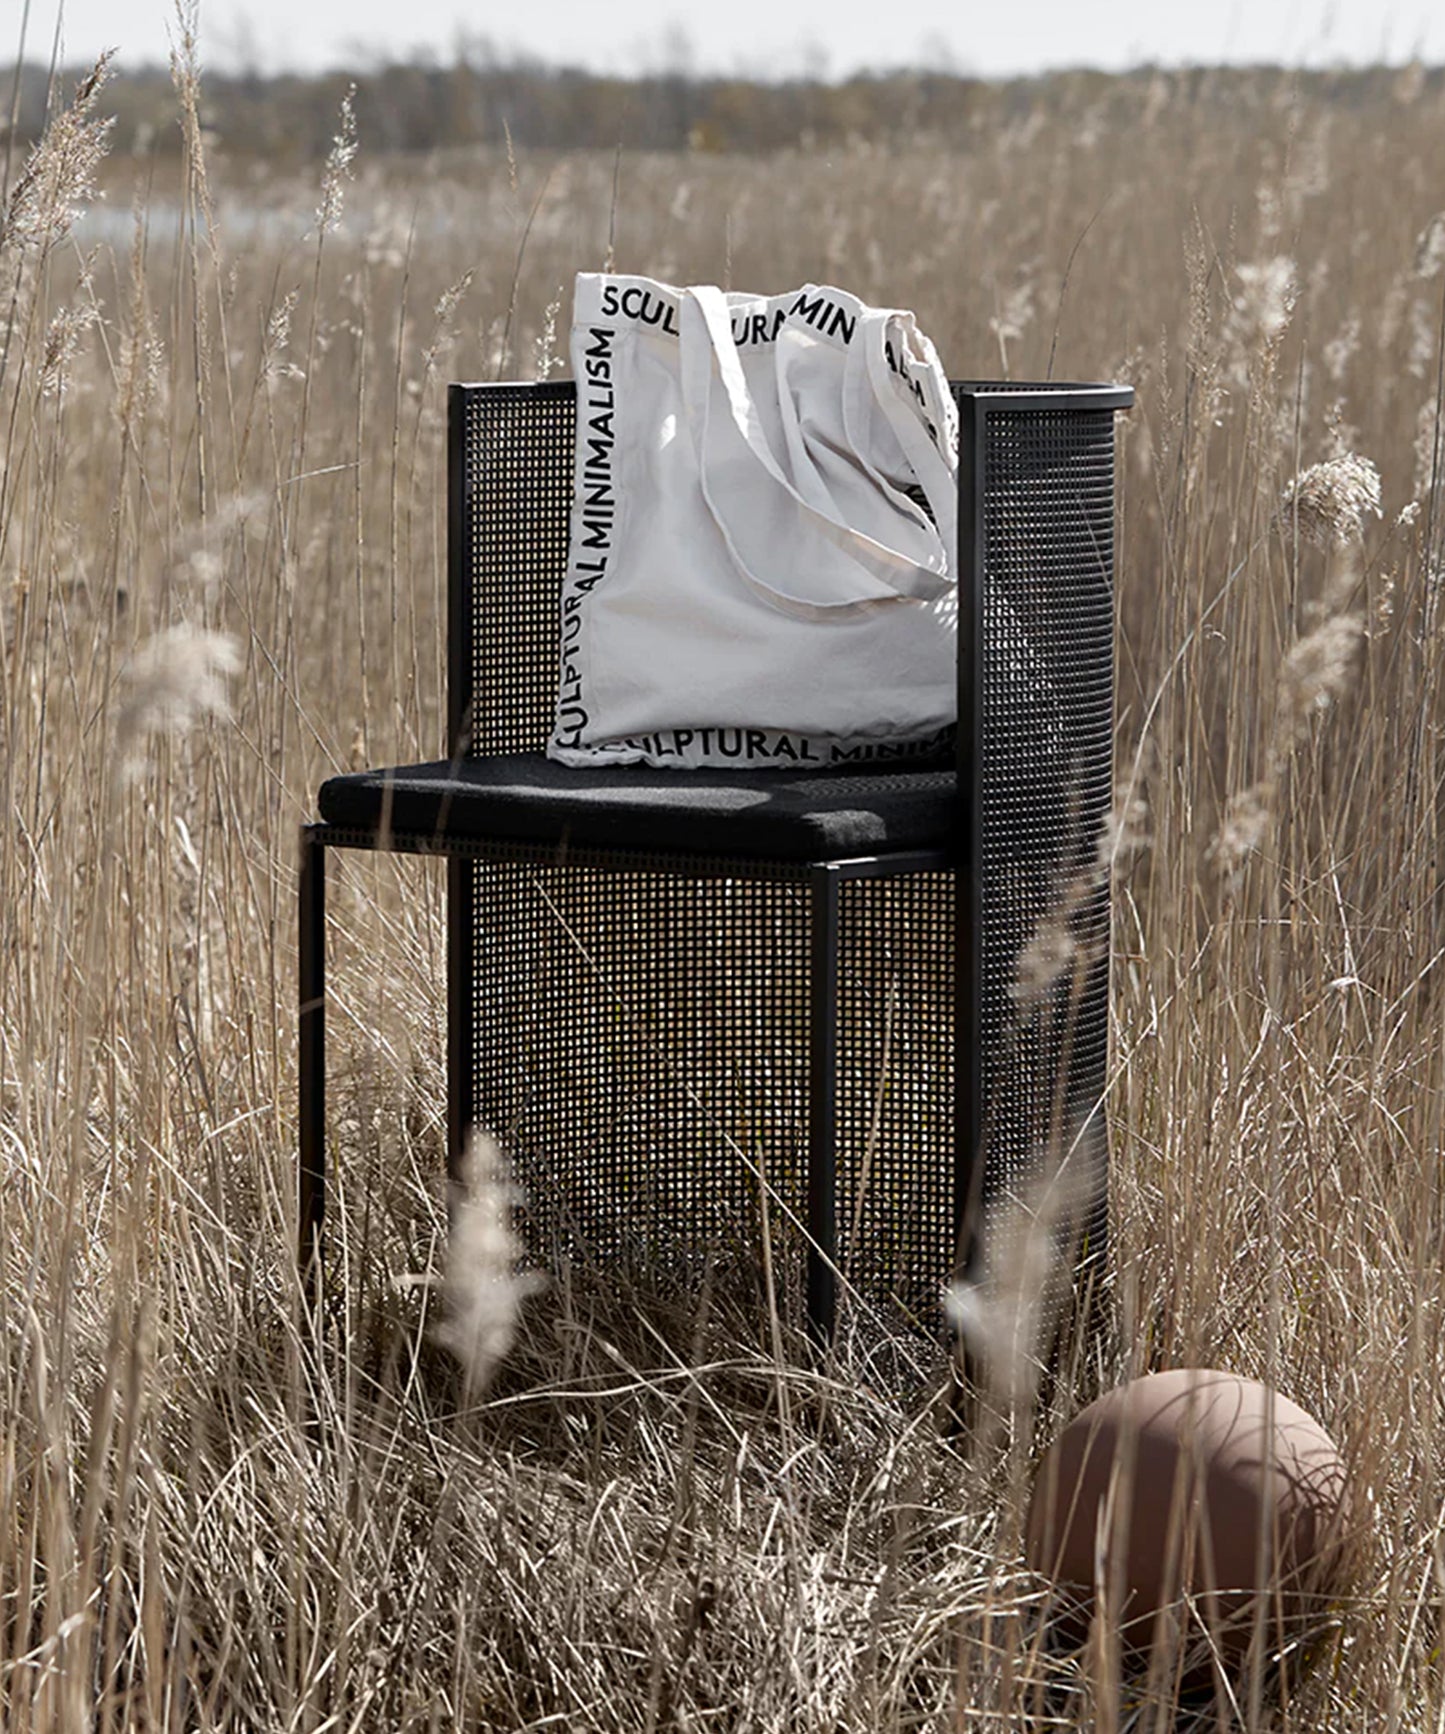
{"x": 220, "y": 574}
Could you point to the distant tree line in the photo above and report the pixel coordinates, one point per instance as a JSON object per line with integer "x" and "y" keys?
{"x": 423, "y": 106}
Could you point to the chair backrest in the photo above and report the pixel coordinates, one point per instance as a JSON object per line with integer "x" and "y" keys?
{"x": 509, "y": 498}
{"x": 1036, "y": 533}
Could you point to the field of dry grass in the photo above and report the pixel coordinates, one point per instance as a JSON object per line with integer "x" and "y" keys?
{"x": 221, "y": 399}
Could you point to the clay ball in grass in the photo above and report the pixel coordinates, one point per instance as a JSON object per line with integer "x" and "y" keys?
{"x": 1192, "y": 1484}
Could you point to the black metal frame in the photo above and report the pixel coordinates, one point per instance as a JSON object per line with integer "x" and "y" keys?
{"x": 824, "y": 878}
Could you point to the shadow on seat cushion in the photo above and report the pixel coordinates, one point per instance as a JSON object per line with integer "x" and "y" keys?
{"x": 778, "y": 815}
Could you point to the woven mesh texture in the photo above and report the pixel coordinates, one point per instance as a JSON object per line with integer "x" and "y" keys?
{"x": 895, "y": 1090}
{"x": 1048, "y": 510}
{"x": 642, "y": 1051}
{"x": 517, "y": 494}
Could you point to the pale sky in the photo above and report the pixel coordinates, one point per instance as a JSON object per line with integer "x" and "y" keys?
{"x": 834, "y": 37}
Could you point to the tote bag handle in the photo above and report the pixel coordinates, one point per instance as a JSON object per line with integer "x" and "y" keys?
{"x": 885, "y": 575}
{"x": 870, "y": 384}
{"x": 870, "y": 378}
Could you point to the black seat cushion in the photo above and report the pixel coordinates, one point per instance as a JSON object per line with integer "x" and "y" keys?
{"x": 777, "y": 815}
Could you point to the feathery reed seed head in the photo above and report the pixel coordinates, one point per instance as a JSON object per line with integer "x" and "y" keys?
{"x": 1248, "y": 815}
{"x": 62, "y": 344}
{"x": 338, "y": 165}
{"x": 57, "y": 180}
{"x": 1430, "y": 247}
{"x": 1342, "y": 348}
{"x": 1319, "y": 665}
{"x": 1127, "y": 831}
{"x": 175, "y": 680}
{"x": 1264, "y": 299}
{"x": 1330, "y": 501}
{"x": 1016, "y": 312}
{"x": 1027, "y": 1246}
{"x": 483, "y": 1289}
{"x": 1051, "y": 953}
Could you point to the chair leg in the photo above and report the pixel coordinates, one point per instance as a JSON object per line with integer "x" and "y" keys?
{"x": 823, "y": 1106}
{"x": 311, "y": 1069}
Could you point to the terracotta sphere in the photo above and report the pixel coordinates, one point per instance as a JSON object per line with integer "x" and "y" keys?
{"x": 1192, "y": 1482}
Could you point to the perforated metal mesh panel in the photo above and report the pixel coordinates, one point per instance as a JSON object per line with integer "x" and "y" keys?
{"x": 642, "y": 1049}
{"x": 512, "y": 482}
{"x": 1046, "y": 767}
{"x": 895, "y": 1090}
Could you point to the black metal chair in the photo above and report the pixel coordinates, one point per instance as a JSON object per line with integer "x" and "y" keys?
{"x": 851, "y": 1010}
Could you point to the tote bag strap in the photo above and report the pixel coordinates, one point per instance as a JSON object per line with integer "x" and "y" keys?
{"x": 870, "y": 379}
{"x": 706, "y": 337}
{"x": 869, "y": 385}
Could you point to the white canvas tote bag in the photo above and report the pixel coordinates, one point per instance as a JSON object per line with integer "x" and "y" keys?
{"x": 753, "y": 579}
